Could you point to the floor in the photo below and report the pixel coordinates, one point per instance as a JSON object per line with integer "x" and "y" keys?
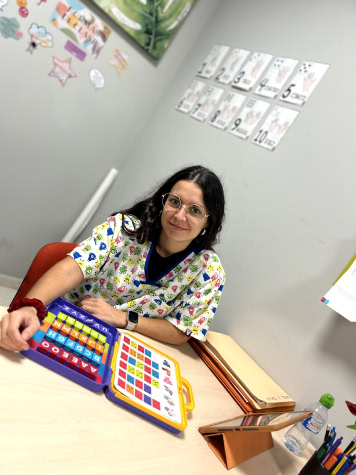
{"x": 6, "y": 296}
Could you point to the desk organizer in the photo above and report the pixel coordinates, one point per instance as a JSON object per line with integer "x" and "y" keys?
{"x": 98, "y": 356}
{"x": 314, "y": 467}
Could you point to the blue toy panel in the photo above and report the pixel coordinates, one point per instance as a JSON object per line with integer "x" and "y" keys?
{"x": 75, "y": 344}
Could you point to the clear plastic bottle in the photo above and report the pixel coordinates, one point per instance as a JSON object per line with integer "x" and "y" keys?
{"x": 298, "y": 436}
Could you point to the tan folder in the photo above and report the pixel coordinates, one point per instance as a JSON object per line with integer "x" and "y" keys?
{"x": 247, "y": 382}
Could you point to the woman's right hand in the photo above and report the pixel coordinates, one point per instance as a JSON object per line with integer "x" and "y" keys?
{"x": 17, "y": 327}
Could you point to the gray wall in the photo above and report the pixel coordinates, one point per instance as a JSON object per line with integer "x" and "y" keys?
{"x": 289, "y": 227}
{"x": 58, "y": 143}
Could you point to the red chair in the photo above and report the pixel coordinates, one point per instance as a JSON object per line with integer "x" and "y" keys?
{"x": 45, "y": 258}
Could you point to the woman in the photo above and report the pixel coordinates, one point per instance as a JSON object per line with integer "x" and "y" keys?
{"x": 153, "y": 260}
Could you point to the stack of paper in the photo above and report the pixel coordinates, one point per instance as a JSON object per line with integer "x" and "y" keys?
{"x": 246, "y": 382}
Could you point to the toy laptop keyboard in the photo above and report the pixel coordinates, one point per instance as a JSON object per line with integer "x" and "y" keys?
{"x": 96, "y": 355}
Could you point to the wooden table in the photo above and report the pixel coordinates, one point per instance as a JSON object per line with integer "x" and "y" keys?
{"x": 51, "y": 425}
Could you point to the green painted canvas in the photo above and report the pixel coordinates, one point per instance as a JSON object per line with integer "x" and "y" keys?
{"x": 152, "y": 23}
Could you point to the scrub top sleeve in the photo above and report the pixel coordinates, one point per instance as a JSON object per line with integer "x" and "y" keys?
{"x": 92, "y": 253}
{"x": 195, "y": 313}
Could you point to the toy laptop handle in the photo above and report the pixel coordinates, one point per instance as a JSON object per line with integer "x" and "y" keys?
{"x": 190, "y": 405}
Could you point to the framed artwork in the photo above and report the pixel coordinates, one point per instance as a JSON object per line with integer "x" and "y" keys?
{"x": 152, "y": 23}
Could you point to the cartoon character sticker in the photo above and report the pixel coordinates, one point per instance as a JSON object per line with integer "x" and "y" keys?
{"x": 23, "y": 11}
{"x": 39, "y": 37}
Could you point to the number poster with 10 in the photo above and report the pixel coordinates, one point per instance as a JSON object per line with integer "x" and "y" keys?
{"x": 212, "y": 61}
{"x": 231, "y": 65}
{"x": 206, "y": 103}
{"x": 251, "y": 72}
{"x": 246, "y": 121}
{"x": 277, "y": 75}
{"x": 227, "y": 110}
{"x": 190, "y": 97}
{"x": 304, "y": 82}
{"x": 274, "y": 127}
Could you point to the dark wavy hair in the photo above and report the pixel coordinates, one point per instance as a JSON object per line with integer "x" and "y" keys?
{"x": 148, "y": 209}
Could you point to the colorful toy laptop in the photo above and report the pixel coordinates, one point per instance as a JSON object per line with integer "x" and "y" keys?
{"x": 97, "y": 355}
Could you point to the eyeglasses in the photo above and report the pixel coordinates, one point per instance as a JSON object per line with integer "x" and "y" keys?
{"x": 195, "y": 213}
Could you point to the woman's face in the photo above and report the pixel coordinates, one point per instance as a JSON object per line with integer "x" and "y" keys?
{"x": 177, "y": 225}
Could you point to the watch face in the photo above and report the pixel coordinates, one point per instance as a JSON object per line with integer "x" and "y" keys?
{"x": 133, "y": 317}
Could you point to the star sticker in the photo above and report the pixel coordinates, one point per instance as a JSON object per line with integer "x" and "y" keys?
{"x": 119, "y": 61}
{"x": 62, "y": 70}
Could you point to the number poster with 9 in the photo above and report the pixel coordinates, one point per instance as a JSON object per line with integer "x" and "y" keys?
{"x": 231, "y": 65}
{"x": 212, "y": 61}
{"x": 191, "y": 96}
{"x": 248, "y": 118}
{"x": 206, "y": 103}
{"x": 274, "y": 127}
{"x": 304, "y": 82}
{"x": 227, "y": 110}
{"x": 251, "y": 72}
{"x": 276, "y": 77}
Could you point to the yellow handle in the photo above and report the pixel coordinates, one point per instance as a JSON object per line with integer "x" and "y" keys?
{"x": 190, "y": 405}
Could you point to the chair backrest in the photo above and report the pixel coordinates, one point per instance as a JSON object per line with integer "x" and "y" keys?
{"x": 45, "y": 258}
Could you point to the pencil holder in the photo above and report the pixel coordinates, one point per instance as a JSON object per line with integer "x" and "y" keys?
{"x": 314, "y": 467}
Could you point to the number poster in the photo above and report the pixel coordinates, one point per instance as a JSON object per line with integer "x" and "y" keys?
{"x": 304, "y": 82}
{"x": 227, "y": 110}
{"x": 248, "y": 77}
{"x": 206, "y": 103}
{"x": 274, "y": 127}
{"x": 249, "y": 117}
{"x": 212, "y": 61}
{"x": 232, "y": 65}
{"x": 191, "y": 96}
{"x": 276, "y": 77}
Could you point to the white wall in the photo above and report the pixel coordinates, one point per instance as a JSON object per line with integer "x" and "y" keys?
{"x": 58, "y": 143}
{"x": 289, "y": 228}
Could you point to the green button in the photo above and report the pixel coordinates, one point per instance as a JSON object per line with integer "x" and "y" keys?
{"x": 94, "y": 334}
{"x": 70, "y": 321}
{"x": 102, "y": 339}
{"x": 78, "y": 325}
{"x": 50, "y": 317}
{"x": 61, "y": 317}
{"x": 86, "y": 330}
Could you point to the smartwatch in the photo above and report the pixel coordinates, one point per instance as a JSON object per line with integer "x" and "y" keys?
{"x": 132, "y": 320}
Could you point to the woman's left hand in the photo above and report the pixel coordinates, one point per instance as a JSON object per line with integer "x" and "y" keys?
{"x": 99, "y": 308}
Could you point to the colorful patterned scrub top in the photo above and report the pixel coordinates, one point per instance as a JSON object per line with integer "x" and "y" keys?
{"x": 115, "y": 270}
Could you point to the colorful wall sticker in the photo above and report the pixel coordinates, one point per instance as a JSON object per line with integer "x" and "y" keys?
{"x": 97, "y": 79}
{"x": 81, "y": 25}
{"x": 62, "y": 70}
{"x": 23, "y": 11}
{"x": 9, "y": 28}
{"x": 274, "y": 127}
{"x": 75, "y": 51}
{"x": 304, "y": 82}
{"x": 211, "y": 63}
{"x": 227, "y": 110}
{"x": 151, "y": 24}
{"x": 39, "y": 37}
{"x": 119, "y": 61}
{"x": 3, "y": 4}
{"x": 206, "y": 103}
{"x": 190, "y": 97}
{"x": 252, "y": 71}
{"x": 248, "y": 118}
{"x": 231, "y": 65}
{"x": 275, "y": 78}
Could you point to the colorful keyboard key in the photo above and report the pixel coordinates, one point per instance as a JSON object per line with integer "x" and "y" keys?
{"x": 65, "y": 330}
{"x": 70, "y": 321}
{"x": 94, "y": 334}
{"x": 61, "y": 316}
{"x": 86, "y": 330}
{"x": 78, "y": 349}
{"x": 51, "y": 335}
{"x": 78, "y": 325}
{"x": 57, "y": 325}
{"x": 102, "y": 339}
